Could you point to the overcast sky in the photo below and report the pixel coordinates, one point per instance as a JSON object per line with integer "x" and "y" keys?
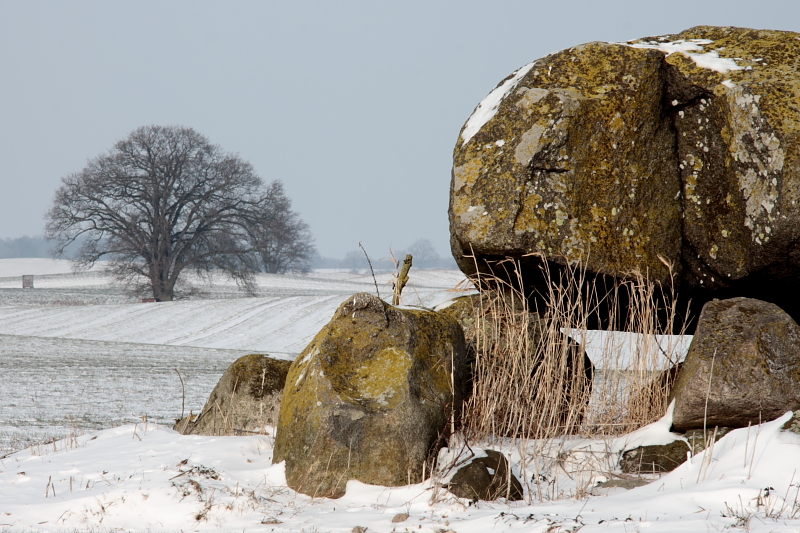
{"x": 356, "y": 106}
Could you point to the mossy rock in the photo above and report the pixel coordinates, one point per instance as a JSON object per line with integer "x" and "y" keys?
{"x": 479, "y": 311}
{"x": 578, "y": 157}
{"x": 655, "y": 458}
{"x": 486, "y": 478}
{"x": 627, "y": 157}
{"x": 743, "y": 366}
{"x": 244, "y": 401}
{"x": 371, "y": 398}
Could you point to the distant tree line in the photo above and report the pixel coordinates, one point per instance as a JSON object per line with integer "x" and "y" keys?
{"x": 25, "y": 246}
{"x": 423, "y": 251}
{"x": 36, "y": 246}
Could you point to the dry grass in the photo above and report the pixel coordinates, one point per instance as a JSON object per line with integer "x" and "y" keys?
{"x": 530, "y": 382}
{"x": 530, "y": 378}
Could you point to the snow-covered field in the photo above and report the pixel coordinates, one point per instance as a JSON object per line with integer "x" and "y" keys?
{"x": 77, "y": 355}
{"x": 85, "y": 354}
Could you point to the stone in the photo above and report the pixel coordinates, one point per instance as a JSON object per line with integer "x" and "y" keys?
{"x": 626, "y": 484}
{"x": 793, "y": 424}
{"x": 654, "y": 458}
{"x": 486, "y": 478}
{"x": 681, "y": 149}
{"x": 371, "y": 398}
{"x": 742, "y": 367}
{"x": 244, "y": 401}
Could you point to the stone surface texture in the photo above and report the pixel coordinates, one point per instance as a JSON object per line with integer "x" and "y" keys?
{"x": 743, "y": 367}
{"x": 244, "y": 401}
{"x": 654, "y": 458}
{"x": 486, "y": 478}
{"x": 370, "y": 398}
{"x": 681, "y": 149}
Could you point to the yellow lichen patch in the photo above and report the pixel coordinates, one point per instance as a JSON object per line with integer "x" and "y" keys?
{"x": 466, "y": 175}
{"x": 529, "y": 220}
{"x": 382, "y": 379}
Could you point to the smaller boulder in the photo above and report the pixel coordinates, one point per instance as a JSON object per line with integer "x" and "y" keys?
{"x": 244, "y": 401}
{"x": 743, "y": 366}
{"x": 486, "y": 478}
{"x": 371, "y": 398}
{"x": 613, "y": 486}
{"x": 655, "y": 458}
{"x": 667, "y": 457}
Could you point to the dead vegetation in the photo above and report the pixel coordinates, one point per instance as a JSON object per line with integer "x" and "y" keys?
{"x": 534, "y": 390}
{"x": 530, "y": 379}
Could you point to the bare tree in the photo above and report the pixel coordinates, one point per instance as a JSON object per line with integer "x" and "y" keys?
{"x": 425, "y": 254}
{"x": 283, "y": 241}
{"x": 162, "y": 201}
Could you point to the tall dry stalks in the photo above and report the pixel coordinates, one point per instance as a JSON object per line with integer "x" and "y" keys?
{"x": 530, "y": 377}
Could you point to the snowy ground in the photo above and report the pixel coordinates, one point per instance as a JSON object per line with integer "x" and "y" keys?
{"x": 143, "y": 478}
{"x": 86, "y": 354}
{"x": 77, "y": 355}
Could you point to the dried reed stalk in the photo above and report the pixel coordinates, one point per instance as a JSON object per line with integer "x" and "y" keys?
{"x": 529, "y": 377}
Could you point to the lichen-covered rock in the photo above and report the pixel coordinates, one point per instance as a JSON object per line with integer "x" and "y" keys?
{"x": 681, "y": 149}
{"x": 463, "y": 309}
{"x": 743, "y": 366}
{"x": 244, "y": 401}
{"x": 486, "y": 478}
{"x": 654, "y": 458}
{"x": 612, "y": 486}
{"x": 370, "y": 398}
{"x": 578, "y": 157}
{"x": 738, "y": 146}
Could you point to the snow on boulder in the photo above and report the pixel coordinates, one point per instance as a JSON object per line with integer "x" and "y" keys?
{"x": 681, "y": 149}
{"x": 743, "y": 367}
{"x": 371, "y": 398}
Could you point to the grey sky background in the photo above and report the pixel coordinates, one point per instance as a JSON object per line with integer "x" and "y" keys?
{"x": 355, "y": 106}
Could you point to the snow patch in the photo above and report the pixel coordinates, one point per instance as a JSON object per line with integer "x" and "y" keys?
{"x": 709, "y": 60}
{"x": 488, "y": 106}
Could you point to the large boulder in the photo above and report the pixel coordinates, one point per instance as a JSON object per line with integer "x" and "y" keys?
{"x": 681, "y": 149}
{"x": 244, "y": 401}
{"x": 371, "y": 398}
{"x": 743, "y": 366}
